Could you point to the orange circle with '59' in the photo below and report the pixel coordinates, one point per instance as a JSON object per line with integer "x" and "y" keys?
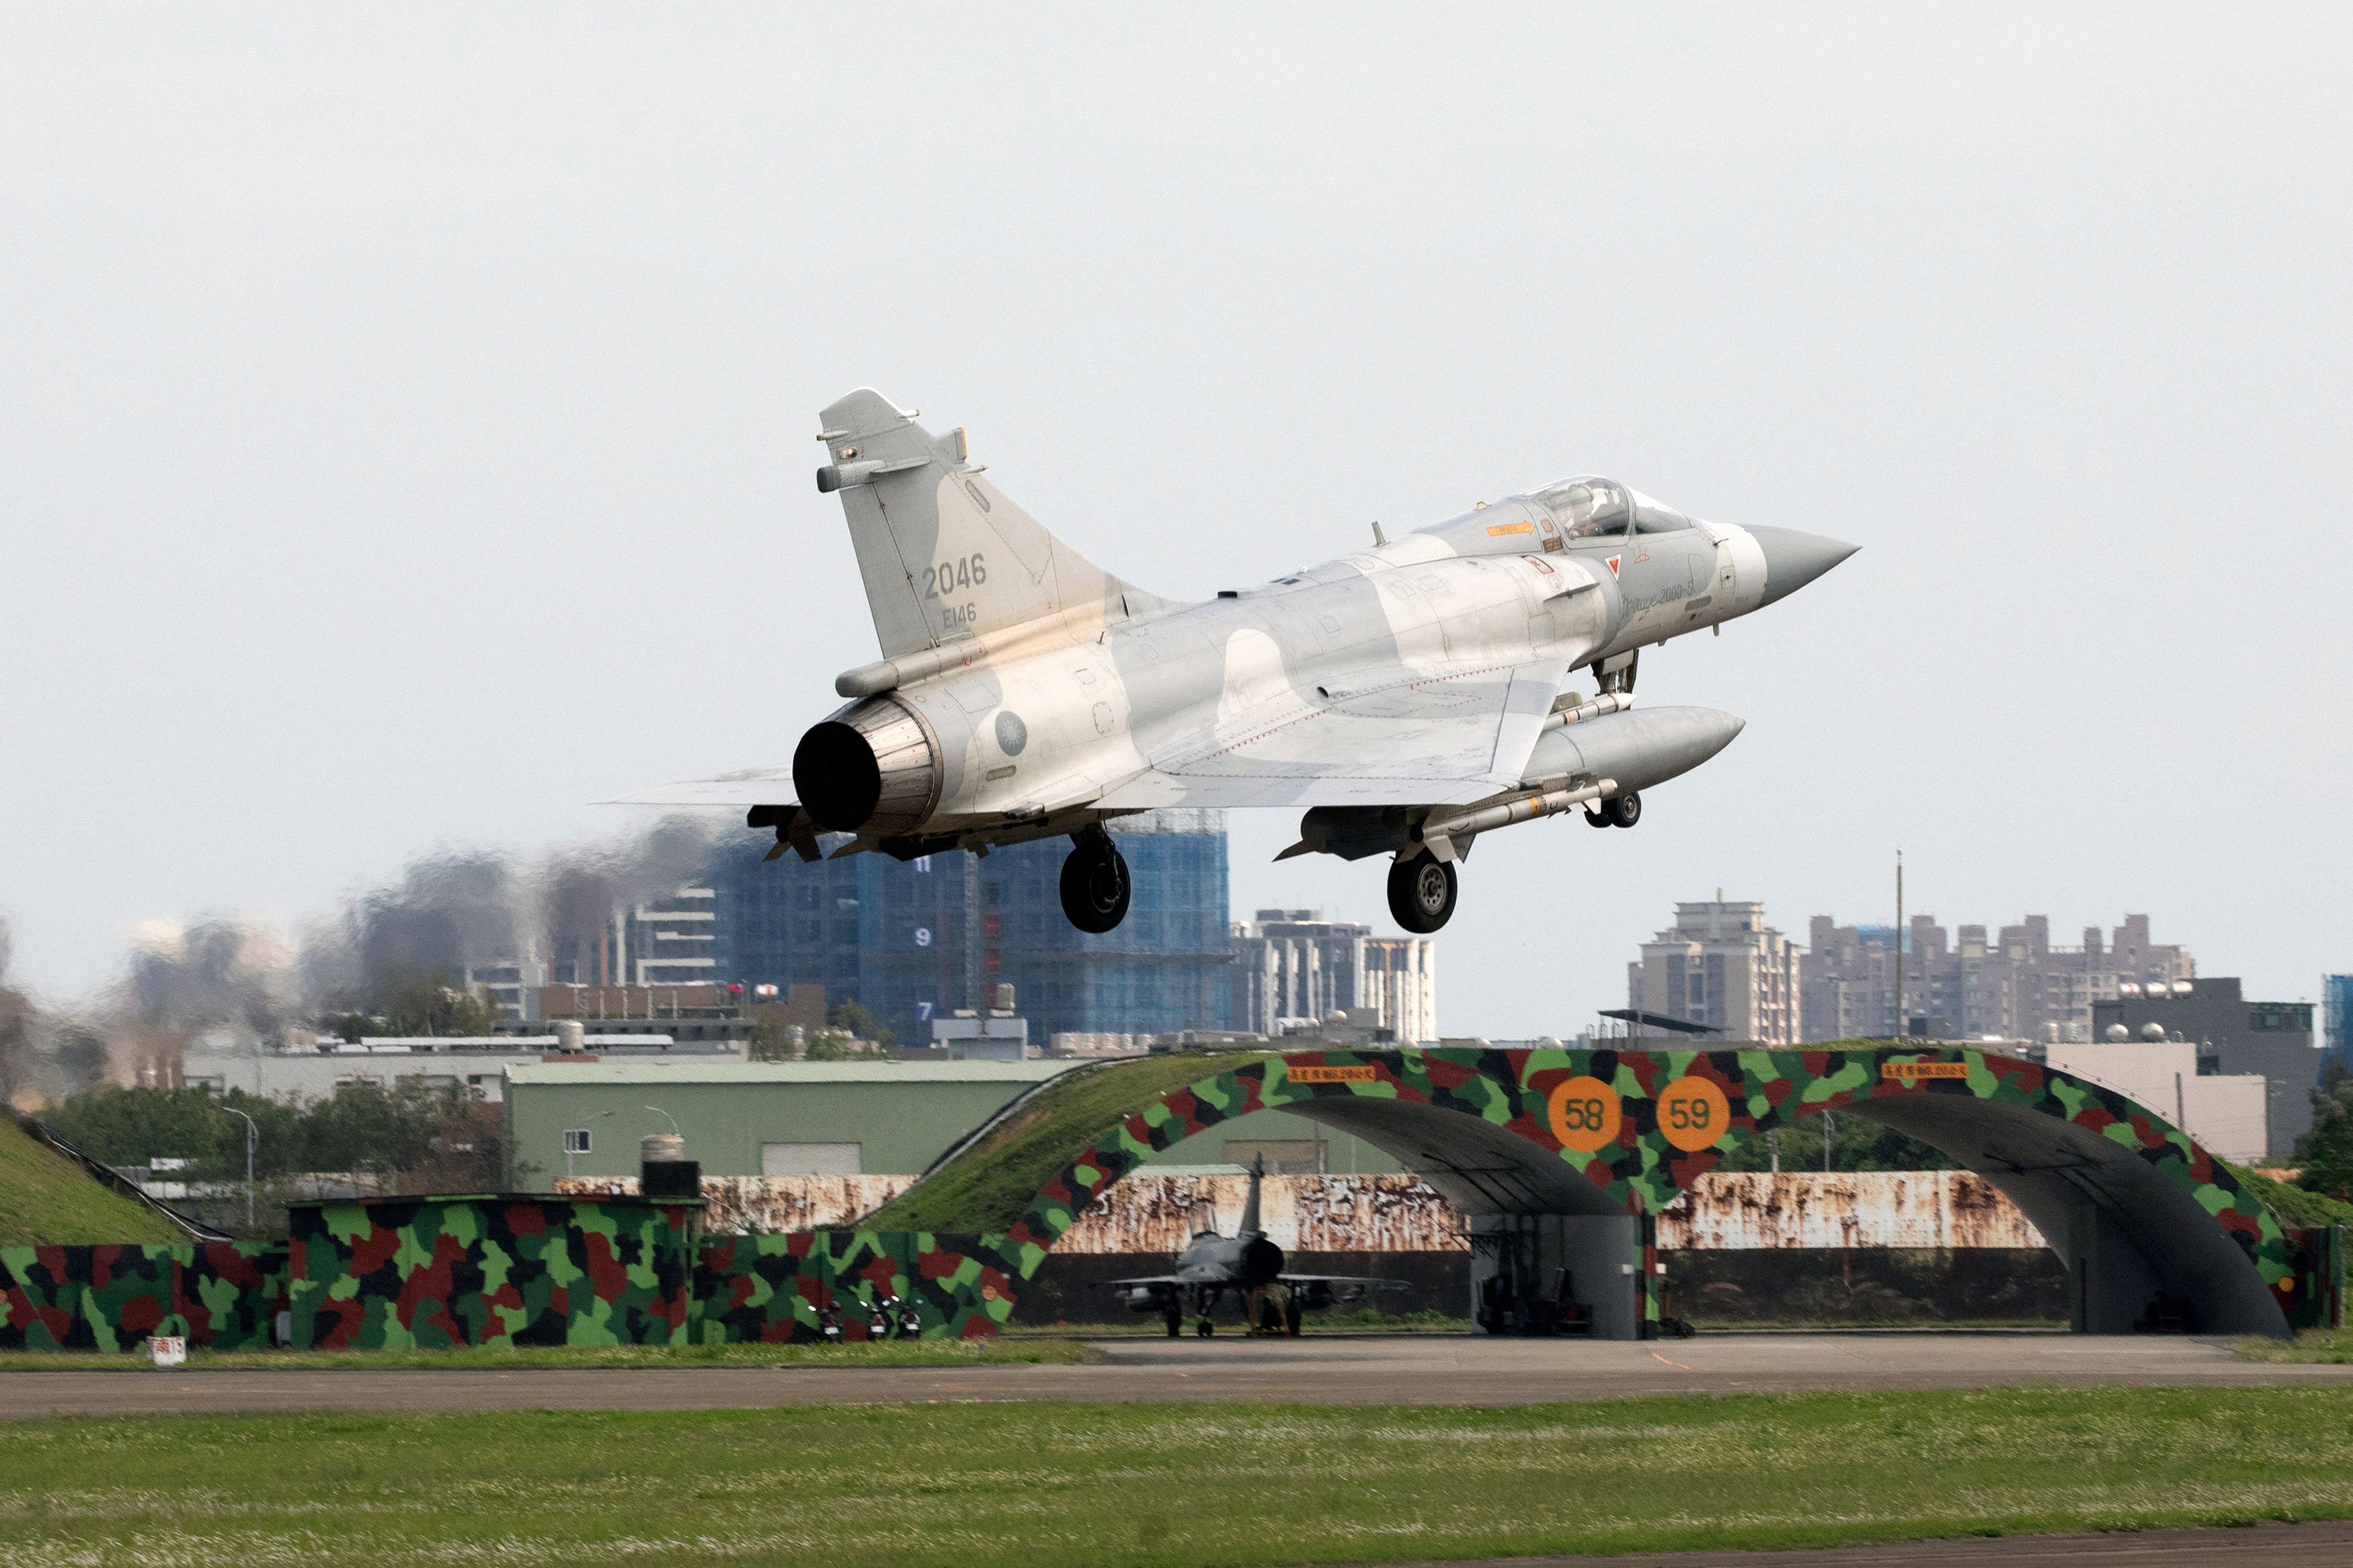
{"x": 1694, "y": 1113}
{"x": 1585, "y": 1113}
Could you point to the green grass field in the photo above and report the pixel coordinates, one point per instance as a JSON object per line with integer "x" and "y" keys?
{"x": 2332, "y": 1347}
{"x": 1043, "y": 1486}
{"x": 1064, "y": 1351}
{"x": 46, "y": 1197}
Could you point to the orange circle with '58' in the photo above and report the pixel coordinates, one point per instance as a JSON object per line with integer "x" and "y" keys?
{"x": 1694, "y": 1113}
{"x": 1585, "y": 1114}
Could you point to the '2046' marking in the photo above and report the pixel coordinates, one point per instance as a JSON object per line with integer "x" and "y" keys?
{"x": 961, "y": 571}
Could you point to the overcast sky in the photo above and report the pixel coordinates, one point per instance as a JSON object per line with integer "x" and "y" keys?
{"x": 406, "y": 421}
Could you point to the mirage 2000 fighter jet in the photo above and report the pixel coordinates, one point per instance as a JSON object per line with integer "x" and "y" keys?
{"x": 1410, "y": 696}
{"x": 1249, "y": 1264}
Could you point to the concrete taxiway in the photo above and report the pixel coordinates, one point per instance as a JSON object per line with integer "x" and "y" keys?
{"x": 1338, "y": 1370}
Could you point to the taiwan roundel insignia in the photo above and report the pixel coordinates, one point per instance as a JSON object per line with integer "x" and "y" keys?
{"x": 1612, "y": 564}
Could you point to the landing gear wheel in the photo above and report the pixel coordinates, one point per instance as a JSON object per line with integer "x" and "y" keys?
{"x": 1625, "y": 810}
{"x": 1597, "y": 818}
{"x": 1291, "y": 1316}
{"x": 1175, "y": 1322}
{"x": 1095, "y": 885}
{"x": 1204, "y": 1328}
{"x": 1422, "y": 893}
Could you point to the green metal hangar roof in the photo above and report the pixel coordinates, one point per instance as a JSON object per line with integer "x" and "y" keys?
{"x": 750, "y": 1118}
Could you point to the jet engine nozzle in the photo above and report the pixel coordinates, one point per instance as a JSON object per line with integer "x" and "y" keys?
{"x": 1262, "y": 1262}
{"x": 871, "y": 768}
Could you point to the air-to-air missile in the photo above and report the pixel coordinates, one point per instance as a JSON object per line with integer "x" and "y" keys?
{"x": 1410, "y": 695}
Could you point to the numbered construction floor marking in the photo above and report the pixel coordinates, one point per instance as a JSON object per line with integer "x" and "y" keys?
{"x": 1694, "y": 1113}
{"x": 1585, "y": 1113}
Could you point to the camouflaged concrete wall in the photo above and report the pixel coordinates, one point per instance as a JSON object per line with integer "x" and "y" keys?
{"x": 773, "y": 1288}
{"x": 427, "y": 1273}
{"x": 2319, "y": 1296}
{"x": 221, "y": 1295}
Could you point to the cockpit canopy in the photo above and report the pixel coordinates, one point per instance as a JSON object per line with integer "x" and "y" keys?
{"x": 1591, "y": 507}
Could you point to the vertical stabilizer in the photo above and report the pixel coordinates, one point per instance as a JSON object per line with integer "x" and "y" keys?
{"x": 943, "y": 553}
{"x": 1251, "y": 1225}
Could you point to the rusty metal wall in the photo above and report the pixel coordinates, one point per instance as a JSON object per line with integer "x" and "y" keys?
{"x": 1148, "y": 1212}
{"x": 748, "y": 1205}
{"x": 1754, "y": 1211}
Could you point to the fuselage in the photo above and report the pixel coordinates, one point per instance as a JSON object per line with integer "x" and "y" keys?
{"x": 1582, "y": 573}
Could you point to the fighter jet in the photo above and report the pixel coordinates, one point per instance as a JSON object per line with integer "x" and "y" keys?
{"x": 1244, "y": 1263}
{"x": 1411, "y": 696}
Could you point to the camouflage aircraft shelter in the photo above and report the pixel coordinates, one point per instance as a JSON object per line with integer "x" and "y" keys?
{"x": 1563, "y": 1159}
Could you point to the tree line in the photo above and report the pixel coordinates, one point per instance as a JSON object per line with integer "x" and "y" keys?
{"x": 408, "y": 1135}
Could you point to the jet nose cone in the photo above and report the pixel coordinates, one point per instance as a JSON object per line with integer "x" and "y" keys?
{"x": 1793, "y": 559}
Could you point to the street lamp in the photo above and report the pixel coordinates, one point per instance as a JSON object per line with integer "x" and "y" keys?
{"x": 666, "y": 1116}
{"x": 252, "y": 1142}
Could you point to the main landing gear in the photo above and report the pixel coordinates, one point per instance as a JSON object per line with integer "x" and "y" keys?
{"x": 1617, "y": 811}
{"x": 1422, "y": 892}
{"x": 1094, "y": 883}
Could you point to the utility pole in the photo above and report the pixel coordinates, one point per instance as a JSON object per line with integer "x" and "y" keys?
{"x": 252, "y": 1139}
{"x": 1900, "y": 1031}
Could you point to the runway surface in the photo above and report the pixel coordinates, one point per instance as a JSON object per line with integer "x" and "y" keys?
{"x": 1386, "y": 1370}
{"x": 2266, "y": 1546}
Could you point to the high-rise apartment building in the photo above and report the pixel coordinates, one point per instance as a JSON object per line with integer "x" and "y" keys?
{"x": 1720, "y": 966}
{"x": 671, "y": 939}
{"x": 2017, "y": 985}
{"x": 2337, "y": 1018}
{"x": 1401, "y": 986}
{"x": 1292, "y": 966}
{"x": 914, "y": 940}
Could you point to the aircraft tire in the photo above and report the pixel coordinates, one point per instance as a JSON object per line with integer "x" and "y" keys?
{"x": 1176, "y": 1323}
{"x": 1625, "y": 810}
{"x": 1204, "y": 1328}
{"x": 1597, "y": 818}
{"x": 1422, "y": 892}
{"x": 1095, "y": 887}
{"x": 1291, "y": 1317}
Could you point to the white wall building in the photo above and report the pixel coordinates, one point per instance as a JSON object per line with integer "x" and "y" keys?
{"x": 1294, "y": 968}
{"x": 2226, "y": 1114}
{"x": 476, "y": 1063}
{"x": 1720, "y": 966}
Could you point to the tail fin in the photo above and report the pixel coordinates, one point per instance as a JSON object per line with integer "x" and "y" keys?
{"x": 943, "y": 553}
{"x": 1251, "y": 1225}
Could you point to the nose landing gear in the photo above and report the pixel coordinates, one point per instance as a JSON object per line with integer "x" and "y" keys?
{"x": 1422, "y": 892}
{"x": 1094, "y": 883}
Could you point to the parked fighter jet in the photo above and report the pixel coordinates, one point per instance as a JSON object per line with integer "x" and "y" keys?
{"x": 1245, "y": 1263}
{"x": 1411, "y": 696}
